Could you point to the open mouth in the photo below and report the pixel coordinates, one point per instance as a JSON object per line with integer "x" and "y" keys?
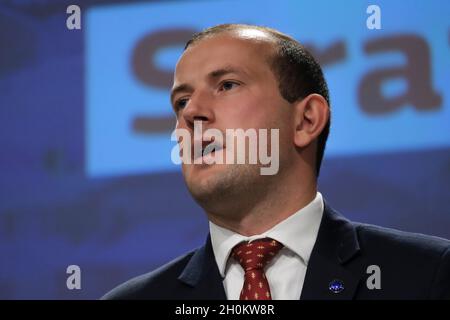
{"x": 208, "y": 148}
{"x": 211, "y": 148}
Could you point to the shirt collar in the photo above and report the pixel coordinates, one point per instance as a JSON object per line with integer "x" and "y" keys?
{"x": 297, "y": 233}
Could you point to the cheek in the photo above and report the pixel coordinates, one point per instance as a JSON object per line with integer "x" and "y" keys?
{"x": 249, "y": 111}
{"x": 186, "y": 171}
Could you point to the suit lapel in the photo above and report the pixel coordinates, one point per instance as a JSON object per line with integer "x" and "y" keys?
{"x": 202, "y": 275}
{"x": 336, "y": 244}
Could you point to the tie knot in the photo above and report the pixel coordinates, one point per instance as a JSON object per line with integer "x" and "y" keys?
{"x": 256, "y": 254}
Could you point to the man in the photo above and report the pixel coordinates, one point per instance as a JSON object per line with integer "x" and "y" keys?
{"x": 274, "y": 236}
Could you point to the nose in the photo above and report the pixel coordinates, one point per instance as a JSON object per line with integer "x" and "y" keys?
{"x": 198, "y": 108}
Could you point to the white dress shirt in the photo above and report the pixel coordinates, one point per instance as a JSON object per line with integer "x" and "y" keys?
{"x": 286, "y": 271}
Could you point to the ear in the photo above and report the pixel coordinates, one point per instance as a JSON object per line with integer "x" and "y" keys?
{"x": 311, "y": 116}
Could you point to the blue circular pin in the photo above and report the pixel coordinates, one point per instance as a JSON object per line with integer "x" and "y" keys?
{"x": 336, "y": 286}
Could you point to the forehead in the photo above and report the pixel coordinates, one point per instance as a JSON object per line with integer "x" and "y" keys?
{"x": 246, "y": 49}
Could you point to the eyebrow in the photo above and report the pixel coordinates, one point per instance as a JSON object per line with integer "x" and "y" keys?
{"x": 180, "y": 88}
{"x": 213, "y": 75}
{"x": 223, "y": 71}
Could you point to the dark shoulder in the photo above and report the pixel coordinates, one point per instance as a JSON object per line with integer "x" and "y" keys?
{"x": 149, "y": 285}
{"x": 396, "y": 239}
{"x": 414, "y": 266}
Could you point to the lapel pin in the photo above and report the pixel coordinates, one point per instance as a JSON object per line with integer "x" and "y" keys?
{"x": 336, "y": 286}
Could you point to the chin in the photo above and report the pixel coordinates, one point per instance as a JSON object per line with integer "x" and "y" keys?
{"x": 225, "y": 183}
{"x": 204, "y": 186}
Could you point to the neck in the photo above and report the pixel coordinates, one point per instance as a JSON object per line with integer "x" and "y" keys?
{"x": 258, "y": 216}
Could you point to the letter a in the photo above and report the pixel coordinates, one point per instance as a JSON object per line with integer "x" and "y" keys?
{"x": 374, "y": 20}
{"x": 74, "y": 20}
{"x": 74, "y": 280}
{"x": 374, "y": 280}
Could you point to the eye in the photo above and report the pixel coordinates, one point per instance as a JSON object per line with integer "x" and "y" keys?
{"x": 228, "y": 85}
{"x": 180, "y": 103}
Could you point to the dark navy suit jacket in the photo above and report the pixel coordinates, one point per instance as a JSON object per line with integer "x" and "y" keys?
{"x": 412, "y": 266}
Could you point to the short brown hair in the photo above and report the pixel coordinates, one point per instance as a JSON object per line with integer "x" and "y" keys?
{"x": 296, "y": 70}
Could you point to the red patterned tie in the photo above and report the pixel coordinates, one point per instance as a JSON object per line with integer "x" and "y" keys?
{"x": 253, "y": 257}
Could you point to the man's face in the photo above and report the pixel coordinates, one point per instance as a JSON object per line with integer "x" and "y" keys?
{"x": 226, "y": 82}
